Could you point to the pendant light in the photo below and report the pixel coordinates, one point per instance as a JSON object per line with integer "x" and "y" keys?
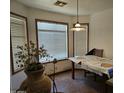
{"x": 77, "y": 26}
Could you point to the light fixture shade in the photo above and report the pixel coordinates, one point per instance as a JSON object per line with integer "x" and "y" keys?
{"x": 78, "y": 27}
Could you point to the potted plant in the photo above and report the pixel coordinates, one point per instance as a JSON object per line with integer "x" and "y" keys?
{"x": 27, "y": 58}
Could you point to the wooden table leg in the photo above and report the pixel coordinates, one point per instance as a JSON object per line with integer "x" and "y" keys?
{"x": 73, "y": 71}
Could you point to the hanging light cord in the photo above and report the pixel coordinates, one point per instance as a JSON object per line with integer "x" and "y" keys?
{"x": 77, "y": 13}
{"x": 77, "y": 26}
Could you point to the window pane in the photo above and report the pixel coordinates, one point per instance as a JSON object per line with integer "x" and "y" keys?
{"x": 15, "y": 42}
{"x": 54, "y": 39}
{"x": 80, "y": 42}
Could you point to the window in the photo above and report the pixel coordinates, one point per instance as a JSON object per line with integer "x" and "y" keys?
{"x": 81, "y": 41}
{"x": 18, "y": 33}
{"x": 53, "y": 36}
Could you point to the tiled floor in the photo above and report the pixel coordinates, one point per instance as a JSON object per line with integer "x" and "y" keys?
{"x": 81, "y": 84}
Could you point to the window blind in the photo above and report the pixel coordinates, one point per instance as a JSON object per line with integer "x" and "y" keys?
{"x": 80, "y": 42}
{"x": 18, "y": 37}
{"x": 54, "y": 38}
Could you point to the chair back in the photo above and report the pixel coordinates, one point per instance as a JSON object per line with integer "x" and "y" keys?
{"x": 96, "y": 52}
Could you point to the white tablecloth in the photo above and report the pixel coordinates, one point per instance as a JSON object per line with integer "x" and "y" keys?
{"x": 93, "y": 64}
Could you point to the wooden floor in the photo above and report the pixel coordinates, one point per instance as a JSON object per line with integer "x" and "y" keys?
{"x": 81, "y": 84}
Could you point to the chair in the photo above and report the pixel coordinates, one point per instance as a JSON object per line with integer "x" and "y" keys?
{"x": 96, "y": 52}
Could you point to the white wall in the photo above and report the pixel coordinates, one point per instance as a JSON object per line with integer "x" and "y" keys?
{"x": 18, "y": 8}
{"x": 101, "y": 32}
{"x": 82, "y": 19}
{"x": 16, "y": 80}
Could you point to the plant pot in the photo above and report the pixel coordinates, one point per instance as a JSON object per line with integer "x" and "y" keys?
{"x": 36, "y": 82}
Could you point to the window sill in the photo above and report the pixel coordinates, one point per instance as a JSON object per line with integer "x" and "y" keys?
{"x": 52, "y": 61}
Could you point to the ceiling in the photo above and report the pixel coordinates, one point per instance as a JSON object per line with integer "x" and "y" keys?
{"x": 86, "y": 7}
